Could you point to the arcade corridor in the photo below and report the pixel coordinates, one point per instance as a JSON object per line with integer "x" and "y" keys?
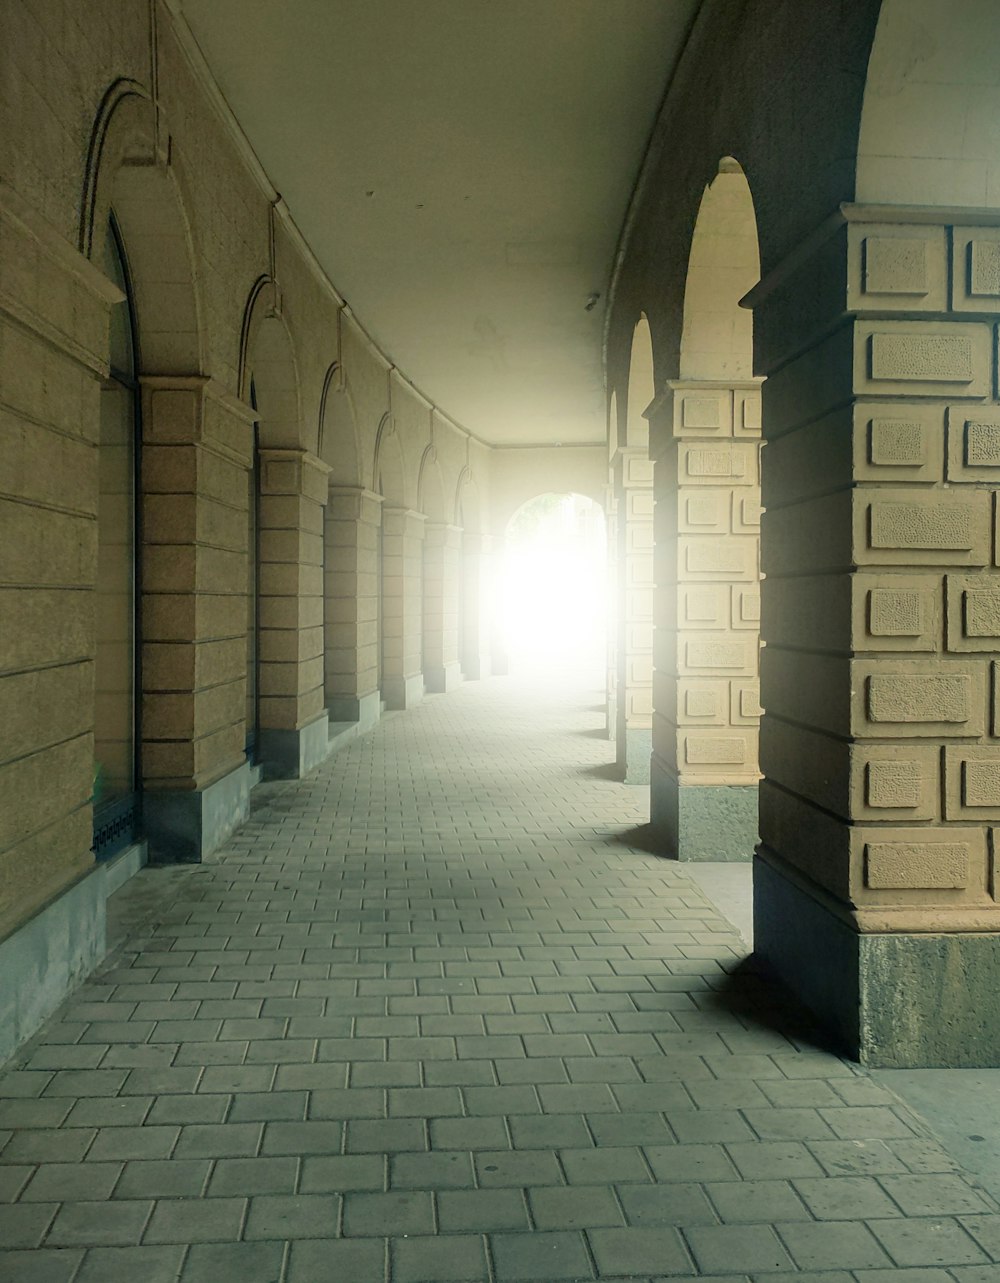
{"x": 422, "y": 1004}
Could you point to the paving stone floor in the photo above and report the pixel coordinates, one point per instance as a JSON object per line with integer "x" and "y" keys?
{"x": 431, "y": 1018}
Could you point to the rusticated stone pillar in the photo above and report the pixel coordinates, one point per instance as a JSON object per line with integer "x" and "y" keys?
{"x": 294, "y": 727}
{"x": 705, "y": 441}
{"x": 402, "y": 606}
{"x": 876, "y": 888}
{"x": 442, "y": 581}
{"x": 353, "y": 516}
{"x": 633, "y": 473}
{"x": 197, "y": 446}
{"x": 479, "y": 656}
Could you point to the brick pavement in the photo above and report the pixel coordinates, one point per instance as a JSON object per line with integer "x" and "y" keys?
{"x": 429, "y": 1019}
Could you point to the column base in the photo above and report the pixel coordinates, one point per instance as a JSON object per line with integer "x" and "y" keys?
{"x": 400, "y": 693}
{"x": 363, "y": 709}
{"x": 892, "y": 1001}
{"x": 182, "y": 826}
{"x": 290, "y": 754}
{"x": 55, "y": 950}
{"x": 715, "y": 822}
{"x": 439, "y": 679}
{"x": 634, "y": 747}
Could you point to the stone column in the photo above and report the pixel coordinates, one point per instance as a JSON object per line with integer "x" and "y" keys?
{"x": 611, "y": 678}
{"x": 197, "y": 447}
{"x": 442, "y": 578}
{"x": 876, "y": 889}
{"x": 353, "y": 516}
{"x": 633, "y": 474}
{"x": 706, "y": 443}
{"x": 294, "y": 727}
{"x": 402, "y": 606}
{"x": 478, "y": 655}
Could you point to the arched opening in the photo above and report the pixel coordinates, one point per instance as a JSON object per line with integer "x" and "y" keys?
{"x": 928, "y": 126}
{"x": 553, "y": 600}
{"x": 116, "y": 671}
{"x": 632, "y": 544}
{"x": 704, "y": 773}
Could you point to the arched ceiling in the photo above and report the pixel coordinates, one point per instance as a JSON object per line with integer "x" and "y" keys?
{"x": 461, "y": 169}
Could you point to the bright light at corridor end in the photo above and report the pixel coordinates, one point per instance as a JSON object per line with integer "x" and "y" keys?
{"x": 553, "y": 604}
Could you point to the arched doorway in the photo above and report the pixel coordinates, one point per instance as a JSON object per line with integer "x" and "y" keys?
{"x": 704, "y": 771}
{"x": 553, "y": 587}
{"x": 116, "y": 795}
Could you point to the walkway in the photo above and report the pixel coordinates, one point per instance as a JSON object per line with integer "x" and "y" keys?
{"x": 429, "y": 1019}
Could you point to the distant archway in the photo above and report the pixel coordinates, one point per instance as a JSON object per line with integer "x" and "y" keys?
{"x": 553, "y": 598}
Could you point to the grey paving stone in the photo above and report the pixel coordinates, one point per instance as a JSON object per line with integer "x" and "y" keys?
{"x": 190, "y": 1220}
{"x": 753, "y": 1248}
{"x": 933, "y": 1195}
{"x": 542, "y": 1257}
{"x": 171, "y": 1178}
{"x": 99, "y": 1224}
{"x": 559, "y": 1208}
{"x": 233, "y": 1263}
{"x": 453, "y": 1258}
{"x": 555, "y": 1131}
{"x": 360, "y": 1260}
{"x": 753, "y": 1202}
{"x": 401, "y": 1212}
{"x": 520, "y": 1168}
{"x": 292, "y": 1216}
{"x": 605, "y": 1165}
{"x": 928, "y": 1241}
{"x": 128, "y": 1264}
{"x": 667, "y": 1204}
{"x": 481, "y": 1210}
{"x": 833, "y": 1245}
{"x": 239, "y": 1176}
{"x": 448, "y": 1169}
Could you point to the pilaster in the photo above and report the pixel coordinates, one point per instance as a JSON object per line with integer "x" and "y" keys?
{"x": 351, "y": 574}
{"x": 402, "y": 606}
{"x": 876, "y": 885}
{"x": 293, "y": 720}
{"x": 441, "y": 592}
{"x": 633, "y": 474}
{"x": 706, "y": 443}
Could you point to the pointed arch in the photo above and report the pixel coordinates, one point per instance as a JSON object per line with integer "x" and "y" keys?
{"x": 468, "y": 503}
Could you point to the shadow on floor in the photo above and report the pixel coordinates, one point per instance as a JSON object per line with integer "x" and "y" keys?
{"x": 603, "y": 771}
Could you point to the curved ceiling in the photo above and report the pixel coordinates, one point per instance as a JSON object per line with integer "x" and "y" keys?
{"x": 461, "y": 169}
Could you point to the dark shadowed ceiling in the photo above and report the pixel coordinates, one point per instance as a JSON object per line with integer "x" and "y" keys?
{"x": 461, "y": 168}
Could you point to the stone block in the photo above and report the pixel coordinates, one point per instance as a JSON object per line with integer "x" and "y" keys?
{"x": 897, "y": 613}
{"x": 914, "y": 698}
{"x": 745, "y": 607}
{"x": 744, "y": 703}
{"x": 707, "y": 512}
{"x": 811, "y": 461}
{"x": 41, "y": 547}
{"x": 41, "y": 626}
{"x": 712, "y": 654}
{"x": 972, "y": 781}
{"x": 710, "y": 558}
{"x": 973, "y": 444}
{"x": 973, "y": 612}
{"x": 922, "y": 358}
{"x": 702, "y": 411}
{"x": 976, "y": 269}
{"x": 893, "y": 267}
{"x": 714, "y": 464}
{"x": 916, "y": 866}
{"x": 808, "y": 538}
{"x": 703, "y": 606}
{"x": 898, "y": 443}
{"x": 896, "y": 526}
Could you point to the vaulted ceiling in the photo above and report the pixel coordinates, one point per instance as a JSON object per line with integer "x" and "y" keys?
{"x": 461, "y": 169}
